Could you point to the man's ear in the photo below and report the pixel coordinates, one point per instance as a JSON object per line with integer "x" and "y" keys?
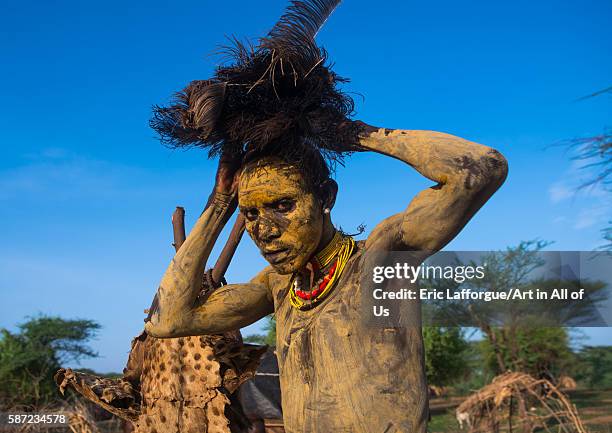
{"x": 328, "y": 191}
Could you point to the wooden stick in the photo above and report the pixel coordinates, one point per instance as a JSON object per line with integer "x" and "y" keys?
{"x": 178, "y": 227}
{"x": 225, "y": 257}
{"x": 178, "y": 231}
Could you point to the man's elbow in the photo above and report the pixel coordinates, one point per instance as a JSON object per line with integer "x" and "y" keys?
{"x": 485, "y": 172}
{"x": 186, "y": 326}
{"x": 169, "y": 325}
{"x": 158, "y": 330}
{"x": 496, "y": 166}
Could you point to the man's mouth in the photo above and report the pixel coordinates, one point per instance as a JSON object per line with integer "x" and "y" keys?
{"x": 276, "y": 255}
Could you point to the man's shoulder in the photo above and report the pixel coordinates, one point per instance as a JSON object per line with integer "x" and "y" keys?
{"x": 271, "y": 278}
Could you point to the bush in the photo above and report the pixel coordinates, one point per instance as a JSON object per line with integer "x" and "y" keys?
{"x": 30, "y": 357}
{"x": 445, "y": 354}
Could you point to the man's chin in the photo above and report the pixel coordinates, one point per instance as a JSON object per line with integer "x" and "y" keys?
{"x": 284, "y": 268}
{"x": 287, "y": 266}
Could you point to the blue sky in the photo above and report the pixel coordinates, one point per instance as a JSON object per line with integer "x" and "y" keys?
{"x": 86, "y": 190}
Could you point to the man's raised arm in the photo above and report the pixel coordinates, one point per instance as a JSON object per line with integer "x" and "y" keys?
{"x": 466, "y": 175}
{"x": 182, "y": 282}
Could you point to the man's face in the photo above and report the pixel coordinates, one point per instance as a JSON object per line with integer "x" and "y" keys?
{"x": 283, "y": 217}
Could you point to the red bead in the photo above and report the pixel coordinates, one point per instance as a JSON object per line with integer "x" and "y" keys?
{"x": 316, "y": 292}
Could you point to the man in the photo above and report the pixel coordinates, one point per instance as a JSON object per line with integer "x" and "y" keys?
{"x": 274, "y": 115}
{"x": 337, "y": 373}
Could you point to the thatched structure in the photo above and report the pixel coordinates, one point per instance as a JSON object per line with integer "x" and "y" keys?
{"x": 80, "y": 420}
{"x": 518, "y": 402}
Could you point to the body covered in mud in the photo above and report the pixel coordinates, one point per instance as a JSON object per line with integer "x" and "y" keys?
{"x": 279, "y": 121}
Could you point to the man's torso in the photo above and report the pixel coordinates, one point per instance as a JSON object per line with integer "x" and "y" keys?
{"x": 338, "y": 372}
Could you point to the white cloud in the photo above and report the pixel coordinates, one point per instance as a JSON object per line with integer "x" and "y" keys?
{"x": 571, "y": 186}
{"x": 597, "y": 215}
{"x": 559, "y": 220}
{"x": 592, "y": 205}
{"x": 57, "y": 174}
{"x": 559, "y": 192}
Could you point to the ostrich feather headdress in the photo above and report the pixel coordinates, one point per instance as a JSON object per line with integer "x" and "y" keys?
{"x": 279, "y": 96}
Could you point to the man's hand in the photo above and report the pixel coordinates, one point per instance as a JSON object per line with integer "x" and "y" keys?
{"x": 228, "y": 172}
{"x": 182, "y": 282}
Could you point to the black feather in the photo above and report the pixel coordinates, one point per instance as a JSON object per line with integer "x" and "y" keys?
{"x": 292, "y": 40}
{"x": 205, "y": 102}
{"x": 192, "y": 118}
{"x": 277, "y": 97}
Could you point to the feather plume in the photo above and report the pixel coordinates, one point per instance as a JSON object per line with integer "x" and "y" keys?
{"x": 205, "y": 103}
{"x": 277, "y": 97}
{"x": 292, "y": 39}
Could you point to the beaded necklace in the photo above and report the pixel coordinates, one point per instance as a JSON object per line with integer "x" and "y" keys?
{"x": 339, "y": 249}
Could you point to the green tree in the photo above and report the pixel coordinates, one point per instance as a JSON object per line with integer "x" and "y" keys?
{"x": 445, "y": 354}
{"x": 519, "y": 335}
{"x": 595, "y": 366}
{"x": 535, "y": 350}
{"x": 596, "y": 153}
{"x": 30, "y": 357}
{"x": 269, "y": 338}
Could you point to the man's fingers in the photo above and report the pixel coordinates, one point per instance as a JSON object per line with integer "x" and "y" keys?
{"x": 227, "y": 173}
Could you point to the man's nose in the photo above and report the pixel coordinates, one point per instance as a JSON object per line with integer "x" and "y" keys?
{"x": 268, "y": 230}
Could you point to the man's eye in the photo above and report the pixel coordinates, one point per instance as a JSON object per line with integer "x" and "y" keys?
{"x": 284, "y": 206}
{"x": 250, "y": 214}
